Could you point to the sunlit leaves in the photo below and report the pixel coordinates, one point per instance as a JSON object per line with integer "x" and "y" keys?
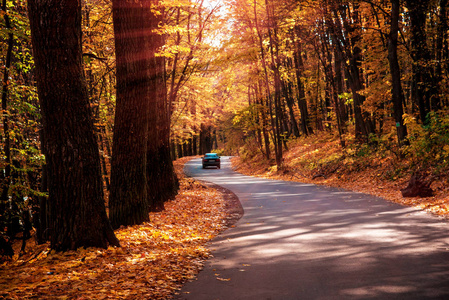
{"x": 153, "y": 262}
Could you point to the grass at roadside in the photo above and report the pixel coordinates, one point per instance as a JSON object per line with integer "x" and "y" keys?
{"x": 155, "y": 259}
{"x": 321, "y": 160}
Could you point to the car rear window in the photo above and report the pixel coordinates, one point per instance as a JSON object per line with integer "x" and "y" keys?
{"x": 211, "y": 156}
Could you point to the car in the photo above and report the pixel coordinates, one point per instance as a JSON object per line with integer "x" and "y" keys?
{"x": 211, "y": 160}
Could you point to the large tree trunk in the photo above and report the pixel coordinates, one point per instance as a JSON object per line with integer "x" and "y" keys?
{"x": 396, "y": 90}
{"x": 76, "y": 210}
{"x": 161, "y": 179}
{"x": 128, "y": 200}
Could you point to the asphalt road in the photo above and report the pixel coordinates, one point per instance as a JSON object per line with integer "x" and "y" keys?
{"x": 301, "y": 241}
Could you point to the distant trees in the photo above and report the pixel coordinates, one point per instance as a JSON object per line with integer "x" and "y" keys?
{"x": 190, "y": 73}
{"x": 356, "y": 67}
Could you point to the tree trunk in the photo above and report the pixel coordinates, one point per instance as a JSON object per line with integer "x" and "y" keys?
{"x": 441, "y": 43}
{"x": 76, "y": 210}
{"x": 288, "y": 94}
{"x": 5, "y": 175}
{"x": 425, "y": 91}
{"x": 302, "y": 102}
{"x": 128, "y": 200}
{"x": 173, "y": 151}
{"x": 347, "y": 38}
{"x": 161, "y": 179}
{"x": 396, "y": 90}
{"x": 205, "y": 139}
{"x": 262, "y": 111}
{"x": 195, "y": 144}
{"x": 273, "y": 45}
{"x": 179, "y": 148}
{"x": 269, "y": 101}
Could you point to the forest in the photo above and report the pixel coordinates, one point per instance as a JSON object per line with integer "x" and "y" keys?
{"x": 99, "y": 97}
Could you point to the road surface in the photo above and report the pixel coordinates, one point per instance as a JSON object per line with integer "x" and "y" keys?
{"x": 302, "y": 241}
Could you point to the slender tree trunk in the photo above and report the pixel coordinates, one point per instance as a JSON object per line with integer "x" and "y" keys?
{"x": 173, "y": 151}
{"x": 195, "y": 144}
{"x": 288, "y": 94}
{"x": 339, "y": 87}
{"x": 342, "y": 26}
{"x": 266, "y": 138}
{"x": 273, "y": 43}
{"x": 257, "y": 120}
{"x": 396, "y": 90}
{"x": 302, "y": 102}
{"x": 442, "y": 39}
{"x": 76, "y": 210}
{"x": 104, "y": 168}
{"x": 266, "y": 81}
{"x": 179, "y": 148}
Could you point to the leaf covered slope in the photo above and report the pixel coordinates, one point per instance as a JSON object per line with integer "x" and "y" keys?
{"x": 153, "y": 262}
{"x": 321, "y": 160}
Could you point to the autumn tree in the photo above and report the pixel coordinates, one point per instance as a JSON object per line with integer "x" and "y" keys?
{"x": 128, "y": 200}
{"x": 161, "y": 179}
{"x": 76, "y": 211}
{"x": 142, "y": 175}
{"x": 187, "y": 59}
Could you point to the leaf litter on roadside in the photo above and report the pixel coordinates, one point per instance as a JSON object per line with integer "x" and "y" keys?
{"x": 155, "y": 259}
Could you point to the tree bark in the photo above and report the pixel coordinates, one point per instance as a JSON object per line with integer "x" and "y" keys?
{"x": 161, "y": 179}
{"x": 76, "y": 210}
{"x": 128, "y": 200}
{"x": 259, "y": 99}
{"x": 396, "y": 89}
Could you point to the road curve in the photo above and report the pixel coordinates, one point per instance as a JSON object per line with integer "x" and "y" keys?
{"x": 302, "y": 241}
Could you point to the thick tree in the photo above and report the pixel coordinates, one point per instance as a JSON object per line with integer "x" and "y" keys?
{"x": 128, "y": 200}
{"x": 76, "y": 211}
{"x": 142, "y": 174}
{"x": 161, "y": 179}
